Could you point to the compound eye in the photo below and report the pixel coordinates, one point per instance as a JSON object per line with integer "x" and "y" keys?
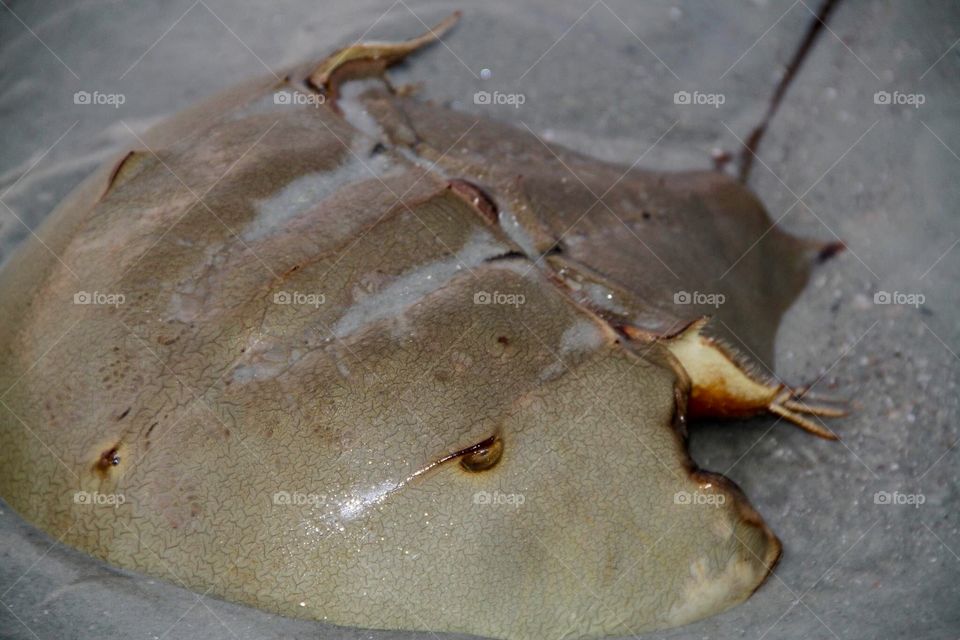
{"x": 483, "y": 456}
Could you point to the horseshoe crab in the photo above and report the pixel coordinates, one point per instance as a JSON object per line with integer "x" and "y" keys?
{"x": 324, "y": 349}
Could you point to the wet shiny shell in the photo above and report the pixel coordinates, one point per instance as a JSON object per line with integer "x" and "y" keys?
{"x": 359, "y": 371}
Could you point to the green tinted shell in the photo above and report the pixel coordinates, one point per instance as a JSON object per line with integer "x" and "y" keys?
{"x": 336, "y": 353}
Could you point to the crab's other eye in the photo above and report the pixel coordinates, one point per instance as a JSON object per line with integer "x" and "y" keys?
{"x": 483, "y": 456}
